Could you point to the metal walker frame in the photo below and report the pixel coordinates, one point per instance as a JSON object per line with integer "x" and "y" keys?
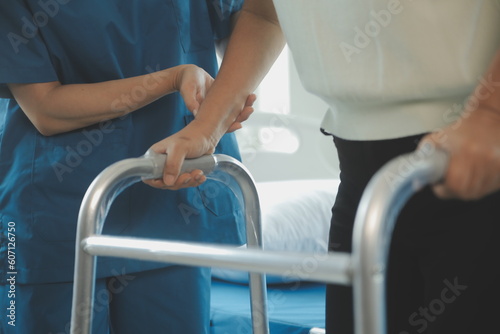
{"x": 365, "y": 269}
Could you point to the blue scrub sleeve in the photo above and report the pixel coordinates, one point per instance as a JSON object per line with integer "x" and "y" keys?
{"x": 220, "y": 15}
{"x": 24, "y": 57}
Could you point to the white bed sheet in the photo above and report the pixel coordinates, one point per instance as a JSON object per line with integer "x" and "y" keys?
{"x": 295, "y": 217}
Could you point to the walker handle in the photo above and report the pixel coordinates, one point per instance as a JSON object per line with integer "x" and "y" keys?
{"x": 382, "y": 200}
{"x": 205, "y": 163}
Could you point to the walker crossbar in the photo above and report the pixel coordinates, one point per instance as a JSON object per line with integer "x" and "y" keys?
{"x": 334, "y": 268}
{"x": 365, "y": 269}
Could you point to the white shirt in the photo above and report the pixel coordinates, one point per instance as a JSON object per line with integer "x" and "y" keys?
{"x": 391, "y": 68}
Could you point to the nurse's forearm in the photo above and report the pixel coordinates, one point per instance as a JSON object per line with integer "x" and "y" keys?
{"x": 54, "y": 108}
{"x": 256, "y": 42}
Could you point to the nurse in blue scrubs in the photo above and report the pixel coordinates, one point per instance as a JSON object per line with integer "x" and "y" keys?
{"x": 85, "y": 84}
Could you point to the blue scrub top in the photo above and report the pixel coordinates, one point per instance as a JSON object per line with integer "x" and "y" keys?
{"x": 43, "y": 179}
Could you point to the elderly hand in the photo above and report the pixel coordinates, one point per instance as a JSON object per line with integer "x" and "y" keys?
{"x": 473, "y": 145}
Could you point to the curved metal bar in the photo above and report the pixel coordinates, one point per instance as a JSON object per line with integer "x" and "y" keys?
{"x": 380, "y": 204}
{"x": 93, "y": 211}
{"x": 382, "y": 200}
{"x": 122, "y": 174}
{"x": 258, "y": 289}
{"x": 331, "y": 268}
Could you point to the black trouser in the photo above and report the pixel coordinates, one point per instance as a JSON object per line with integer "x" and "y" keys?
{"x": 444, "y": 264}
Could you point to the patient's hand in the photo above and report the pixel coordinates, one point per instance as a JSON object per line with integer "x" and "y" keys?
{"x": 473, "y": 145}
{"x": 473, "y": 142}
{"x": 193, "y": 141}
{"x": 190, "y": 142}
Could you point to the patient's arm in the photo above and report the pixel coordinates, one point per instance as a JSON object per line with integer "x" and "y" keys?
{"x": 221, "y": 44}
{"x": 473, "y": 142}
{"x": 255, "y": 43}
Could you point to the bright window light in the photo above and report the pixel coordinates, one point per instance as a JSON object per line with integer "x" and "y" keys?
{"x": 273, "y": 94}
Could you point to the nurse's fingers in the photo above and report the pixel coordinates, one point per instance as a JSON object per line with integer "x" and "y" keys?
{"x": 191, "y": 100}
{"x": 195, "y": 83}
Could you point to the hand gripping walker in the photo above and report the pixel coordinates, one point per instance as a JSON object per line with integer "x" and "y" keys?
{"x": 364, "y": 269}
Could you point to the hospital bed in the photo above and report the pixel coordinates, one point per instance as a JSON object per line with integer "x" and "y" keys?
{"x": 296, "y": 196}
{"x": 364, "y": 269}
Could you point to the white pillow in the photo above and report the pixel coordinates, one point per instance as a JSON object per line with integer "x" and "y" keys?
{"x": 295, "y": 217}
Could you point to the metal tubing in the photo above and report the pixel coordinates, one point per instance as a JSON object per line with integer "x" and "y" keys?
{"x": 331, "y": 268}
{"x": 385, "y": 195}
{"x": 122, "y": 174}
{"x": 380, "y": 204}
{"x": 258, "y": 288}
{"x": 93, "y": 211}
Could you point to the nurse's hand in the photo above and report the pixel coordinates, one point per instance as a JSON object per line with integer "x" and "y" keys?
{"x": 473, "y": 145}
{"x": 193, "y": 83}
